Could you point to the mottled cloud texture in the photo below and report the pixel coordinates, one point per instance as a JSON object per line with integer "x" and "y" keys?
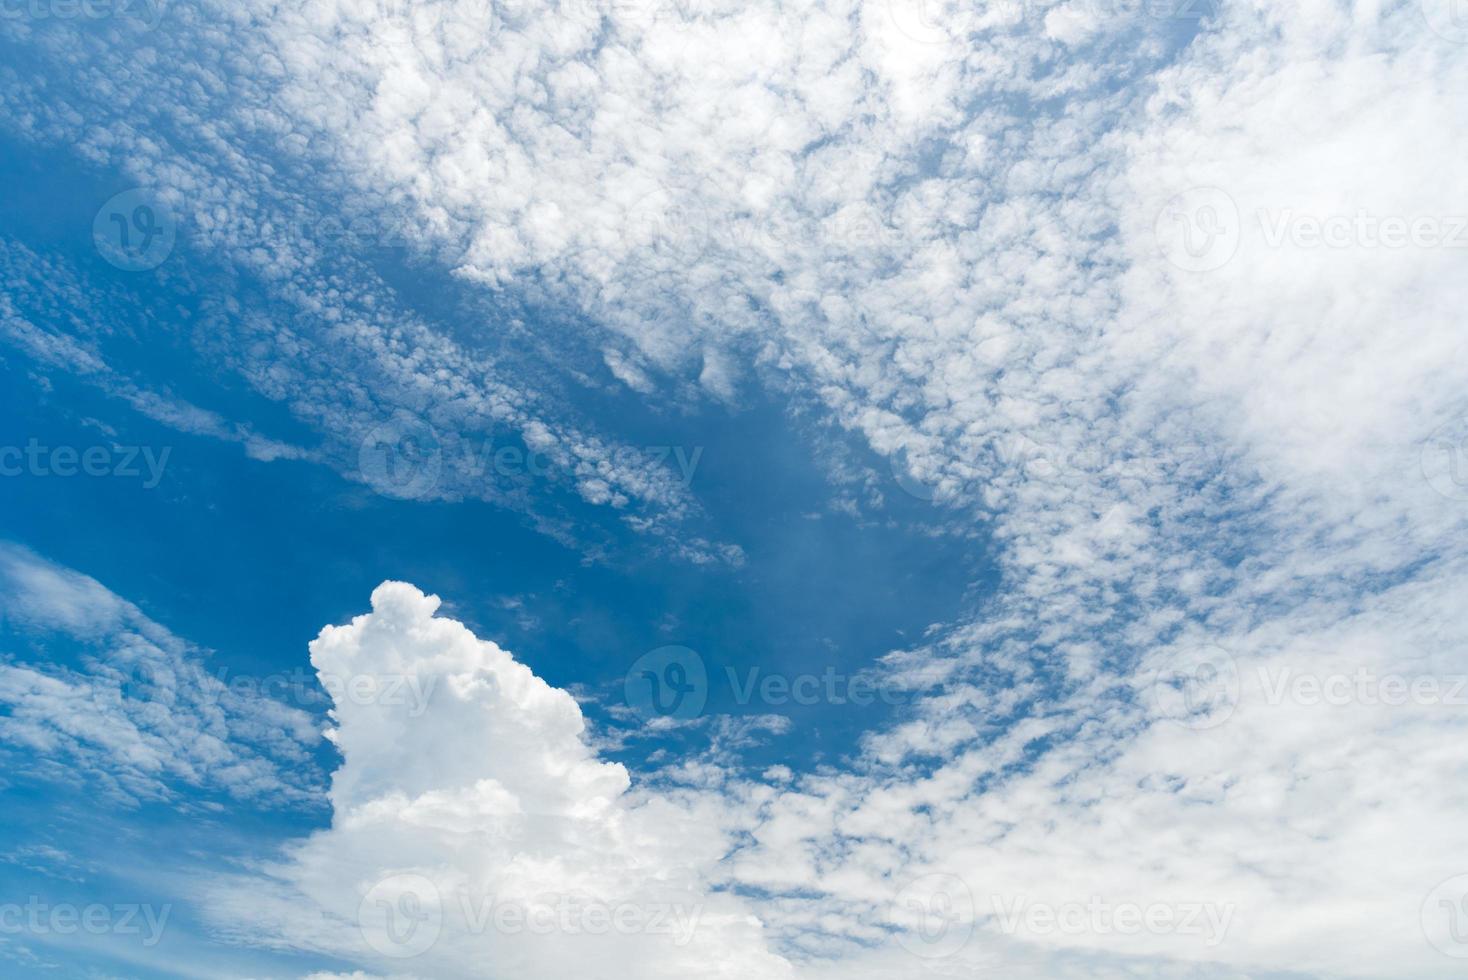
{"x": 1166, "y": 298}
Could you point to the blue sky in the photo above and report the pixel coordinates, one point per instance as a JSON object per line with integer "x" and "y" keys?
{"x": 1029, "y": 438}
{"x": 203, "y": 537}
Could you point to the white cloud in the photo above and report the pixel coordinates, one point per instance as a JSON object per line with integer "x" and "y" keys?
{"x": 954, "y": 229}
{"x": 137, "y": 715}
{"x": 1253, "y": 841}
{"x": 300, "y": 315}
{"x": 489, "y": 816}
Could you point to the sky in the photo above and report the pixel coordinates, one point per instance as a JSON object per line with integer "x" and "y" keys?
{"x": 681, "y": 488}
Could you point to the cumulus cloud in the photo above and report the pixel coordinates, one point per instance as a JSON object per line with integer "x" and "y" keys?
{"x": 482, "y": 837}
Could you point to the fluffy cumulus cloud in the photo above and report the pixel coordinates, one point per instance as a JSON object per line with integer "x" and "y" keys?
{"x": 1170, "y": 303}
{"x": 475, "y": 833}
